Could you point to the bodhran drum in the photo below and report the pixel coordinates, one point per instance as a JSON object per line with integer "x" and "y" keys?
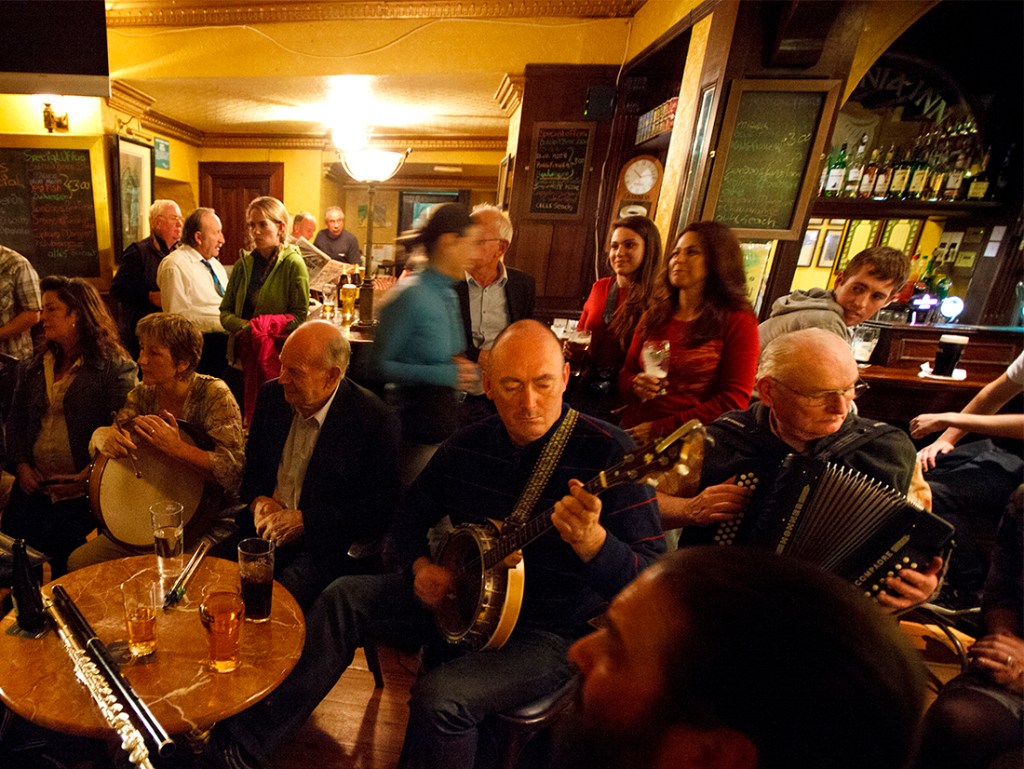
{"x": 120, "y": 492}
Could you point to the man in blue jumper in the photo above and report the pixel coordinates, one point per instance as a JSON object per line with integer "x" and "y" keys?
{"x": 597, "y": 546}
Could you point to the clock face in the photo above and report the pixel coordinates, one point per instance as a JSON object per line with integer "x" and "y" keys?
{"x": 640, "y": 176}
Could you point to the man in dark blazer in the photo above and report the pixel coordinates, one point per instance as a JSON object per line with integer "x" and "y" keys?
{"x": 491, "y": 298}
{"x": 320, "y": 463}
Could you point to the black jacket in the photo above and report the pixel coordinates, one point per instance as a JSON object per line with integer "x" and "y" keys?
{"x": 351, "y": 483}
{"x": 520, "y": 292}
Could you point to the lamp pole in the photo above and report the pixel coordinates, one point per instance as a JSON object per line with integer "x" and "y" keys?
{"x": 366, "y": 319}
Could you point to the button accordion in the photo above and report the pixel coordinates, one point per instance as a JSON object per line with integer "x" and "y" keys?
{"x": 837, "y": 518}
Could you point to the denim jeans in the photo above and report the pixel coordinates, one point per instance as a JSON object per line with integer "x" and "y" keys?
{"x": 446, "y": 704}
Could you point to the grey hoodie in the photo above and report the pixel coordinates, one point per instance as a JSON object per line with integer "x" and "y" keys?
{"x": 814, "y": 308}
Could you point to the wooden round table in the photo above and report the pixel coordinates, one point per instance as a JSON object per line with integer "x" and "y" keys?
{"x": 37, "y": 679}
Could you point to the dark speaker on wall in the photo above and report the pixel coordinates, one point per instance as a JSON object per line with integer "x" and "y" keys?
{"x": 600, "y": 104}
{"x": 54, "y": 46}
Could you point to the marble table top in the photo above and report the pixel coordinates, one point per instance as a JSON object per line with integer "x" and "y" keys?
{"x": 37, "y": 679}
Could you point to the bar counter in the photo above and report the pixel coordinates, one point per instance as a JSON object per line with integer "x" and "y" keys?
{"x": 898, "y": 393}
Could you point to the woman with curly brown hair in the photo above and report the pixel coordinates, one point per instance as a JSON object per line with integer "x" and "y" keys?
{"x": 700, "y": 308}
{"x": 614, "y": 307}
{"x": 77, "y": 380}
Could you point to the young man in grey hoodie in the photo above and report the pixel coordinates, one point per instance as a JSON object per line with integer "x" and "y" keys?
{"x": 870, "y": 281}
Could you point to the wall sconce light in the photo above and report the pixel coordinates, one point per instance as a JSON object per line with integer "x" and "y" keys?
{"x": 52, "y": 121}
{"x": 125, "y": 127}
{"x": 370, "y": 166}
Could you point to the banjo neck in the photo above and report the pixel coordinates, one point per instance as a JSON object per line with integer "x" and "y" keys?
{"x": 652, "y": 460}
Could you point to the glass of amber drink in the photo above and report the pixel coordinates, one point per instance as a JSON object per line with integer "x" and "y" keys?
{"x": 222, "y": 612}
{"x": 142, "y": 598}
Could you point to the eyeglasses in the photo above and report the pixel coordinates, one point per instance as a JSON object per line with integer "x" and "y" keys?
{"x": 820, "y": 397}
{"x": 172, "y": 218}
{"x": 481, "y": 241}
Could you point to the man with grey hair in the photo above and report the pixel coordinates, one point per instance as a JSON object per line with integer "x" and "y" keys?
{"x": 192, "y": 282}
{"x": 337, "y": 242}
{"x": 303, "y": 225}
{"x": 321, "y": 463}
{"x": 807, "y": 381}
{"x": 491, "y": 298}
{"x": 135, "y": 286}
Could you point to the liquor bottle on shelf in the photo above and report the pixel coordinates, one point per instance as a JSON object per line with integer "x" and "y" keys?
{"x": 884, "y": 175}
{"x": 856, "y": 169}
{"x": 919, "y": 170}
{"x": 1002, "y": 180}
{"x": 868, "y": 176}
{"x": 900, "y": 177}
{"x": 978, "y": 188}
{"x": 836, "y": 174}
{"x": 955, "y": 179}
{"x": 826, "y": 167}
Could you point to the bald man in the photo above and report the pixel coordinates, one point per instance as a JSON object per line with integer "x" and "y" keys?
{"x": 320, "y": 463}
{"x": 807, "y": 381}
{"x": 597, "y": 546}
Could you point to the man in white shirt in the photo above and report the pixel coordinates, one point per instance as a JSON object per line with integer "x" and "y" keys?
{"x": 192, "y": 282}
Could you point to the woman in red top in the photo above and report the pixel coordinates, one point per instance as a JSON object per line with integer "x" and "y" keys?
{"x": 700, "y": 307}
{"x": 614, "y": 307}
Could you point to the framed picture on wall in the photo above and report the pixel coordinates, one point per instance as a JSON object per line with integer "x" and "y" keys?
{"x": 413, "y": 204}
{"x": 830, "y": 249}
{"x": 807, "y": 248}
{"x": 134, "y": 191}
{"x": 504, "y": 183}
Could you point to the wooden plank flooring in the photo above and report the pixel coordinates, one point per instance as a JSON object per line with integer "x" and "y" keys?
{"x": 356, "y": 726}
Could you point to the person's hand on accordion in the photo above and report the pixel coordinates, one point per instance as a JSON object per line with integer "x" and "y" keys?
{"x": 721, "y": 502}
{"x": 910, "y": 587}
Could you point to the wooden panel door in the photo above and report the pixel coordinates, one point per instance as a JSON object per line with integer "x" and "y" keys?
{"x": 228, "y": 188}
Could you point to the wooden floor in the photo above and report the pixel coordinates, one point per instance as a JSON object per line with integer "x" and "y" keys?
{"x": 356, "y": 726}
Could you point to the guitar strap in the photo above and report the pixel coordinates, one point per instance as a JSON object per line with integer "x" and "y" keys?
{"x": 546, "y": 464}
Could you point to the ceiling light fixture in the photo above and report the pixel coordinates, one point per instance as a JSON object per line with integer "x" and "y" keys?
{"x": 370, "y": 166}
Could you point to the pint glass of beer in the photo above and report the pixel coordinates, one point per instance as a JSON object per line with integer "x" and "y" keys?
{"x": 222, "y": 612}
{"x": 575, "y": 348}
{"x": 256, "y": 567}
{"x": 330, "y": 301}
{"x": 349, "y": 294}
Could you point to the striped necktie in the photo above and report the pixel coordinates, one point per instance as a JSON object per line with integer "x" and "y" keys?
{"x": 216, "y": 280}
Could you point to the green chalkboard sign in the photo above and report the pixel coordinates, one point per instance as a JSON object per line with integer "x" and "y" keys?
{"x": 561, "y": 155}
{"x": 767, "y": 159}
{"x": 46, "y": 209}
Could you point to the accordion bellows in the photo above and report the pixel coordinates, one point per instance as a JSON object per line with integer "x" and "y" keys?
{"x": 837, "y": 518}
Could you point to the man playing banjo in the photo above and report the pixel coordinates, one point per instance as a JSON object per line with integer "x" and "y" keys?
{"x": 520, "y": 464}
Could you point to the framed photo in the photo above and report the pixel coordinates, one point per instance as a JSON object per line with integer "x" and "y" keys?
{"x": 830, "y": 249}
{"x": 504, "y": 183}
{"x": 413, "y": 204}
{"x": 807, "y": 249}
{"x": 134, "y": 184}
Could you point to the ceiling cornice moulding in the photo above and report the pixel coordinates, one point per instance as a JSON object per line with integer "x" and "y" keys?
{"x": 199, "y": 13}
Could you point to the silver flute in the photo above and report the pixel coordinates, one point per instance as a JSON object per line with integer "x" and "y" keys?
{"x": 113, "y": 712}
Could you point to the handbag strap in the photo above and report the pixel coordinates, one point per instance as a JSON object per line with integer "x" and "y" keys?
{"x": 546, "y": 463}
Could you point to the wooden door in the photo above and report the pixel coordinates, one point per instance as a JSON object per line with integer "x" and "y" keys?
{"x": 228, "y": 188}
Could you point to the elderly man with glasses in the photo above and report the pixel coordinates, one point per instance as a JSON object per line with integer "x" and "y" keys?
{"x": 807, "y": 381}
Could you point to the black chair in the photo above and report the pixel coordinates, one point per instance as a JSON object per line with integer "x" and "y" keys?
{"x": 515, "y": 730}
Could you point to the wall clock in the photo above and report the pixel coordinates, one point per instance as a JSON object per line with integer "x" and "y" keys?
{"x": 639, "y": 186}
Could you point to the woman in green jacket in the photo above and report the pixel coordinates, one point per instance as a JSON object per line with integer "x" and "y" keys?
{"x": 271, "y": 279}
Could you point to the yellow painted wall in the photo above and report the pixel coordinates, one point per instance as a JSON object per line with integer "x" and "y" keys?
{"x": 654, "y": 19}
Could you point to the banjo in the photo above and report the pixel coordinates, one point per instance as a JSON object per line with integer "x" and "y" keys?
{"x": 482, "y": 606}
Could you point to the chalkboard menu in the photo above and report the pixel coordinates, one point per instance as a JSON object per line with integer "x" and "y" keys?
{"x": 46, "y": 209}
{"x": 561, "y": 154}
{"x": 772, "y": 135}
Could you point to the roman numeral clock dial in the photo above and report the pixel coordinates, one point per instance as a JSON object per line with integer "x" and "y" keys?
{"x": 639, "y": 186}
